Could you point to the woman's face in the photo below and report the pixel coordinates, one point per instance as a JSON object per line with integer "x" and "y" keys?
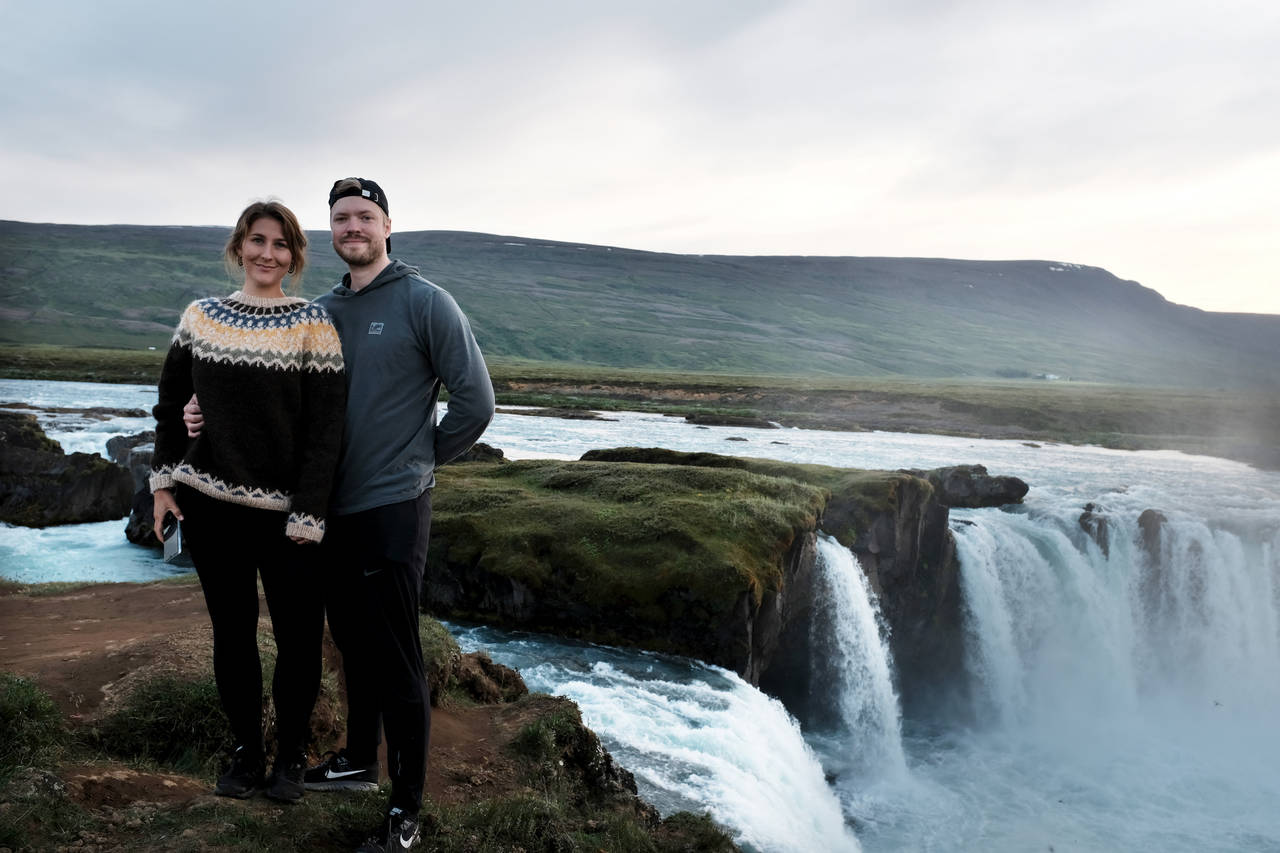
{"x": 266, "y": 257}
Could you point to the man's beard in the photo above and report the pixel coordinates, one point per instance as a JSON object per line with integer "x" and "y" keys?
{"x": 357, "y": 254}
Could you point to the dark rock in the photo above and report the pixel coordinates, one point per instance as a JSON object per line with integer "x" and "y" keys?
{"x": 971, "y": 487}
{"x": 140, "y": 529}
{"x": 1151, "y": 522}
{"x": 1098, "y": 528}
{"x": 121, "y": 447}
{"x": 134, "y": 452}
{"x": 97, "y": 413}
{"x": 909, "y": 555}
{"x": 40, "y": 485}
{"x": 481, "y": 452}
{"x": 1152, "y": 584}
{"x": 729, "y": 420}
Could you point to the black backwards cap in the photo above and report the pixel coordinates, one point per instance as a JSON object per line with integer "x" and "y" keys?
{"x": 367, "y": 189}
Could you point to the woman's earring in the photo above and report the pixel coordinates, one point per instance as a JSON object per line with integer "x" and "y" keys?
{"x": 290, "y": 269}
{"x": 239, "y": 261}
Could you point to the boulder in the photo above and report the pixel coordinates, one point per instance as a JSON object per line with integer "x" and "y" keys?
{"x": 971, "y": 487}
{"x": 134, "y": 452}
{"x": 481, "y": 452}
{"x": 1097, "y": 526}
{"x": 1151, "y": 522}
{"x": 40, "y": 485}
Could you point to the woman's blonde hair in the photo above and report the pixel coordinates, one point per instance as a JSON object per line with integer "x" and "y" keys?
{"x": 294, "y": 237}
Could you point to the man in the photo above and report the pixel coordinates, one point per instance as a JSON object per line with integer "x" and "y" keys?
{"x": 402, "y": 339}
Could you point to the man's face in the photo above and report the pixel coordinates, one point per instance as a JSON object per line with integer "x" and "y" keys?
{"x": 360, "y": 231}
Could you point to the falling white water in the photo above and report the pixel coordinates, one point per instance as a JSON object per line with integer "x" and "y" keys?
{"x": 1055, "y": 624}
{"x": 851, "y": 663}
{"x": 1146, "y": 687}
{"x": 698, "y": 738}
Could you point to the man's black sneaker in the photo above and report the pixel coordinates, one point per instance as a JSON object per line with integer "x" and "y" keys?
{"x": 285, "y": 784}
{"x": 399, "y": 832}
{"x": 243, "y": 779}
{"x": 336, "y": 773}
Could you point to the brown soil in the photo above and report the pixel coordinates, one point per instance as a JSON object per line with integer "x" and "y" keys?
{"x": 85, "y": 647}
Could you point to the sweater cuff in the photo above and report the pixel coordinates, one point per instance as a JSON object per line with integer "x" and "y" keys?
{"x": 161, "y": 478}
{"x": 306, "y": 526}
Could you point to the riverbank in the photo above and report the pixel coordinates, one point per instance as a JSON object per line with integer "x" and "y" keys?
{"x": 506, "y": 771}
{"x": 1238, "y": 425}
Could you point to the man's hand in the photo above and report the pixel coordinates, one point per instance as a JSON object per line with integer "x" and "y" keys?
{"x": 163, "y": 504}
{"x": 193, "y": 417}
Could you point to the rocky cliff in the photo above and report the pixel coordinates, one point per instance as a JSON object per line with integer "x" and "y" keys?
{"x": 40, "y": 485}
{"x": 704, "y": 555}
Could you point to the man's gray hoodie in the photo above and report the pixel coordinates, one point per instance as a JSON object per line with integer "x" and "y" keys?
{"x": 402, "y": 338}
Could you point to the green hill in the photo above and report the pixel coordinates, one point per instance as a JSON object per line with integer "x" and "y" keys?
{"x": 123, "y": 286}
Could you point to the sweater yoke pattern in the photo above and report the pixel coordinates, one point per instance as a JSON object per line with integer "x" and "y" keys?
{"x": 293, "y": 336}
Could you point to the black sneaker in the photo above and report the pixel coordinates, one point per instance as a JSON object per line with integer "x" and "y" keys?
{"x": 336, "y": 773}
{"x": 286, "y": 783}
{"x": 399, "y": 832}
{"x": 243, "y": 779}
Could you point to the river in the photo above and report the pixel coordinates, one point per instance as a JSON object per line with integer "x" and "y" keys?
{"x": 1118, "y": 703}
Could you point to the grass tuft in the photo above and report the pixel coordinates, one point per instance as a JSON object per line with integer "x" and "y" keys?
{"x": 32, "y": 733}
{"x": 172, "y": 721}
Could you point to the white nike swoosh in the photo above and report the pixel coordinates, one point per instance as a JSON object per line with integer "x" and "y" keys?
{"x": 330, "y": 774}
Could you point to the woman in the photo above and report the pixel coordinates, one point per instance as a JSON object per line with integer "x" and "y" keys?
{"x": 251, "y": 490}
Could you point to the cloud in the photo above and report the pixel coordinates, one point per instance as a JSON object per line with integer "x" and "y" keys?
{"x": 1129, "y": 132}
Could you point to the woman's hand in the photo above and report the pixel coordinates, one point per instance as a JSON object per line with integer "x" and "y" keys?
{"x": 162, "y": 503}
{"x": 193, "y": 417}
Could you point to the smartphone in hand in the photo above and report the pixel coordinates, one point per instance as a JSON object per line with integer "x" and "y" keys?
{"x": 171, "y": 530}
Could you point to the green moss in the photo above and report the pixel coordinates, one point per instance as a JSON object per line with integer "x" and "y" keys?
{"x": 623, "y": 533}
{"x": 852, "y": 496}
{"x": 440, "y": 653}
{"x": 691, "y": 833}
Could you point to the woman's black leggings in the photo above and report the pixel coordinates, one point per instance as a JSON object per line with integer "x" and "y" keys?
{"x": 230, "y": 545}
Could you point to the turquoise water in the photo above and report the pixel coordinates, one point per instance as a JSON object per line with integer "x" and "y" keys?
{"x": 1119, "y": 704}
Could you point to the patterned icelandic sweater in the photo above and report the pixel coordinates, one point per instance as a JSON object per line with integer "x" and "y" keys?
{"x": 269, "y": 377}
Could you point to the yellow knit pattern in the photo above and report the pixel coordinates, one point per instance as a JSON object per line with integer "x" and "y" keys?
{"x": 281, "y": 333}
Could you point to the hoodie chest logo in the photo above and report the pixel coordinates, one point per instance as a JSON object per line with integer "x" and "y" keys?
{"x": 375, "y": 328}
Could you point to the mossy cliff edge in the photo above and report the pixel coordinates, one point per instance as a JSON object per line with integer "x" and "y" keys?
{"x": 701, "y": 555}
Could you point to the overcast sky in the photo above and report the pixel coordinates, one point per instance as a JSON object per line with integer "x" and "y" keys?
{"x": 1142, "y": 136}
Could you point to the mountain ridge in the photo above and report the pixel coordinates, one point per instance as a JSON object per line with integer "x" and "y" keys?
{"x": 563, "y": 301}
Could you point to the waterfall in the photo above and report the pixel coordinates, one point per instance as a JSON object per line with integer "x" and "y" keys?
{"x": 1148, "y": 682}
{"x": 1055, "y": 624}
{"x": 851, "y": 665}
{"x": 697, "y": 737}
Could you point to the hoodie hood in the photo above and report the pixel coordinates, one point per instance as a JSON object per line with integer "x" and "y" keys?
{"x": 393, "y": 271}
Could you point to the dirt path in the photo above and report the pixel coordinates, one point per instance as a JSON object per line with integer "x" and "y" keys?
{"x": 78, "y": 644}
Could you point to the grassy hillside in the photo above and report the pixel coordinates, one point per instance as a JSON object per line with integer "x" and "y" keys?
{"x": 123, "y": 286}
